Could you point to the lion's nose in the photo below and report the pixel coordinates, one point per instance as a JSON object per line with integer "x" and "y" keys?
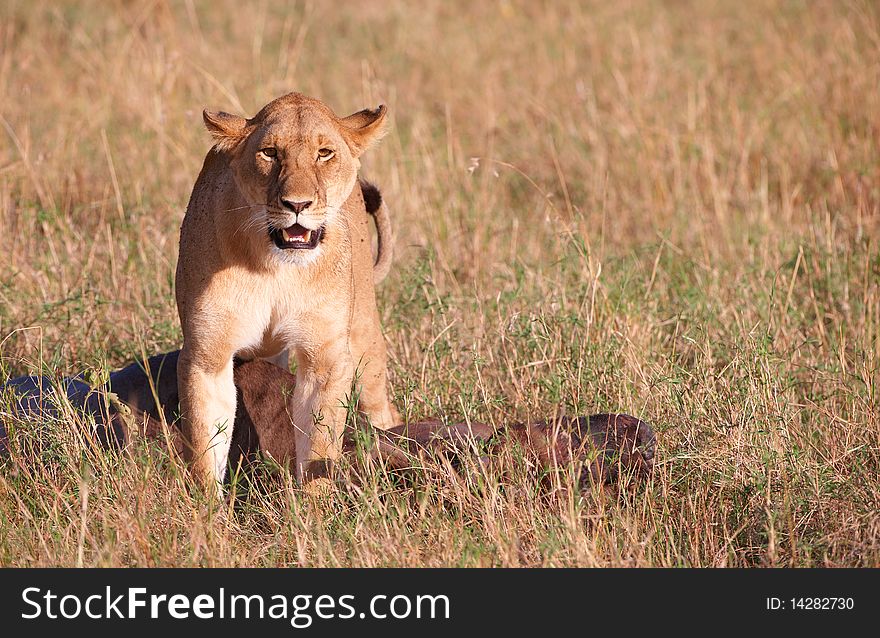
{"x": 296, "y": 207}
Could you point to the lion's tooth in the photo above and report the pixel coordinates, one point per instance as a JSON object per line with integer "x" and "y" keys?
{"x": 285, "y": 235}
{"x": 308, "y": 236}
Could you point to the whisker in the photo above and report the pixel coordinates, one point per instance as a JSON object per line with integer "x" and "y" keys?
{"x": 254, "y": 222}
{"x": 229, "y": 210}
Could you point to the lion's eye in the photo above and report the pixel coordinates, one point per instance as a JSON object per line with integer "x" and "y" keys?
{"x": 269, "y": 152}
{"x": 325, "y": 153}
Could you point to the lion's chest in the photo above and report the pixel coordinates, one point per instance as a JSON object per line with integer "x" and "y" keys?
{"x": 296, "y": 320}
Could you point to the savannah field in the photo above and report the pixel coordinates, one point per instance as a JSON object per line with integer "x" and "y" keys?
{"x": 669, "y": 209}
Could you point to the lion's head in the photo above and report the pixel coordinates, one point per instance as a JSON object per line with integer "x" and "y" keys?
{"x": 295, "y": 163}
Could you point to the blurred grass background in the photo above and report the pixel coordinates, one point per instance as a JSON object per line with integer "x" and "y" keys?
{"x": 668, "y": 209}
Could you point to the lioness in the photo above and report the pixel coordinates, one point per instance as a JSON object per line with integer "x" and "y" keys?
{"x": 274, "y": 257}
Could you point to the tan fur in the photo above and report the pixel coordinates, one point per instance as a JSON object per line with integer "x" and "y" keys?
{"x": 240, "y": 295}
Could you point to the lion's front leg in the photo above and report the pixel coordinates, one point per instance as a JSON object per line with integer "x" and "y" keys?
{"x": 368, "y": 350}
{"x": 207, "y": 404}
{"x": 373, "y": 399}
{"x": 323, "y": 389}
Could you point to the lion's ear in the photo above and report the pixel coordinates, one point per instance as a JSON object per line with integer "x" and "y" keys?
{"x": 226, "y": 129}
{"x": 364, "y": 128}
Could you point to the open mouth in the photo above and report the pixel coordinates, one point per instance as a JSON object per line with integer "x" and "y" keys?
{"x": 296, "y": 237}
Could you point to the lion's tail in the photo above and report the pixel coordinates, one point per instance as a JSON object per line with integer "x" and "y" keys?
{"x": 376, "y": 207}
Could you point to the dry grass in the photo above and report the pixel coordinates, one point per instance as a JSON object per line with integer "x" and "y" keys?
{"x": 669, "y": 209}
